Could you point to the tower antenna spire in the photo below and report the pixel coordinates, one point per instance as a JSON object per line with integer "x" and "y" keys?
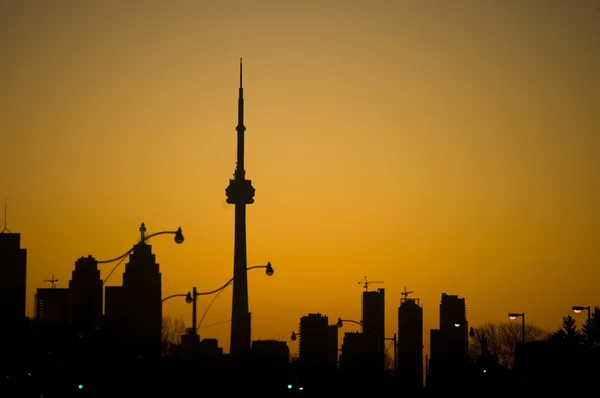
{"x": 5, "y": 229}
{"x": 240, "y": 193}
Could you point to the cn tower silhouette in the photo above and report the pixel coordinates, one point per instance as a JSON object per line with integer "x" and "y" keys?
{"x": 240, "y": 193}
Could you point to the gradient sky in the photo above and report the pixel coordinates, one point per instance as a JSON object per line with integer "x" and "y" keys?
{"x": 448, "y": 146}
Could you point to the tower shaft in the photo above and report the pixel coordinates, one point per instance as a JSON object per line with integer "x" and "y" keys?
{"x": 240, "y": 193}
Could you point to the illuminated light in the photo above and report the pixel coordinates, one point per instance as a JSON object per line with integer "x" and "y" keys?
{"x": 484, "y": 370}
{"x": 80, "y": 386}
{"x": 457, "y": 325}
{"x": 289, "y": 386}
{"x": 301, "y": 388}
{"x": 577, "y": 311}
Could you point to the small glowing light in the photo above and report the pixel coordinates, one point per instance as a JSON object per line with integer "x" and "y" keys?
{"x": 457, "y": 325}
{"x": 512, "y": 317}
{"x": 289, "y": 386}
{"x": 577, "y": 311}
{"x": 484, "y": 370}
{"x": 301, "y": 388}
{"x": 80, "y": 386}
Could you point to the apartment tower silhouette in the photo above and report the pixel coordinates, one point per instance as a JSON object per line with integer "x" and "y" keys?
{"x": 410, "y": 345}
{"x": 373, "y": 320}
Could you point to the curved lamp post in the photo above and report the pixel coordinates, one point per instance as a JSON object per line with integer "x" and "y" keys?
{"x": 178, "y": 239}
{"x": 191, "y": 297}
{"x": 482, "y": 340}
{"x": 577, "y": 309}
{"x": 514, "y": 315}
{"x": 341, "y": 321}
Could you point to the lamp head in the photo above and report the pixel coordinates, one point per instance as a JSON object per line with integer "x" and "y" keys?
{"x": 339, "y": 323}
{"x": 457, "y": 325}
{"x": 472, "y": 332}
{"x": 513, "y": 316}
{"x": 293, "y": 336}
{"x": 188, "y": 298}
{"x": 270, "y": 271}
{"x": 178, "y": 236}
{"x": 577, "y": 309}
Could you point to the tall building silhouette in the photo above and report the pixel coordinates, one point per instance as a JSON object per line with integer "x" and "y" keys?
{"x": 141, "y": 292}
{"x": 410, "y": 344}
{"x": 240, "y": 193}
{"x": 314, "y": 342}
{"x": 373, "y": 318}
{"x": 85, "y": 294}
{"x": 13, "y": 271}
{"x": 449, "y": 344}
{"x": 332, "y": 346}
{"x": 453, "y": 326}
{"x": 52, "y": 305}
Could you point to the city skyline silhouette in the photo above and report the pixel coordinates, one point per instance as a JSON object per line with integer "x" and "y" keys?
{"x": 460, "y": 159}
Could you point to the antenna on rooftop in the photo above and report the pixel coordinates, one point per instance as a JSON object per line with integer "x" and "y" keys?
{"x": 5, "y": 229}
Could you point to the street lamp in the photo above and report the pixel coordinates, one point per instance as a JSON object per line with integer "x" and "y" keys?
{"x": 577, "y": 309}
{"x": 341, "y": 321}
{"x": 482, "y": 340}
{"x": 514, "y": 316}
{"x": 178, "y": 239}
{"x": 192, "y": 297}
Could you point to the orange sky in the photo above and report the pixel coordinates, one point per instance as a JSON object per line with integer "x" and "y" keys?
{"x": 446, "y": 146}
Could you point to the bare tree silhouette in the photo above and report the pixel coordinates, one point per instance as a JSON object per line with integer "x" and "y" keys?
{"x": 171, "y": 331}
{"x": 388, "y": 361}
{"x": 502, "y": 339}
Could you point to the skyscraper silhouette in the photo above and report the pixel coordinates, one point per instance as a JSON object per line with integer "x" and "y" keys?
{"x": 142, "y": 287}
{"x": 240, "y": 193}
{"x": 410, "y": 345}
{"x": 373, "y": 317}
{"x": 13, "y": 269}
{"x": 85, "y": 294}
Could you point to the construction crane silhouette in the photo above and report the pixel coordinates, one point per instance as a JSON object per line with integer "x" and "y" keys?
{"x": 367, "y": 282}
{"x": 405, "y": 293}
{"x": 52, "y": 281}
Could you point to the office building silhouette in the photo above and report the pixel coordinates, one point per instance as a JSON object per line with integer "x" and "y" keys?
{"x": 13, "y": 272}
{"x": 271, "y": 353}
{"x": 141, "y": 298}
{"x": 360, "y": 353}
{"x": 332, "y": 346}
{"x": 52, "y": 306}
{"x": 85, "y": 294}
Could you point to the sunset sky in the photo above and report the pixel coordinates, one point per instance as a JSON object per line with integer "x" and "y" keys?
{"x": 445, "y": 146}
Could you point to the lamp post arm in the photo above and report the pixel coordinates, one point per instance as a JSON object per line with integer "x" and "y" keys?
{"x": 112, "y": 260}
{"x": 216, "y": 290}
{"x": 228, "y": 282}
{"x": 173, "y": 295}
{"x": 350, "y": 320}
{"x": 255, "y": 266}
